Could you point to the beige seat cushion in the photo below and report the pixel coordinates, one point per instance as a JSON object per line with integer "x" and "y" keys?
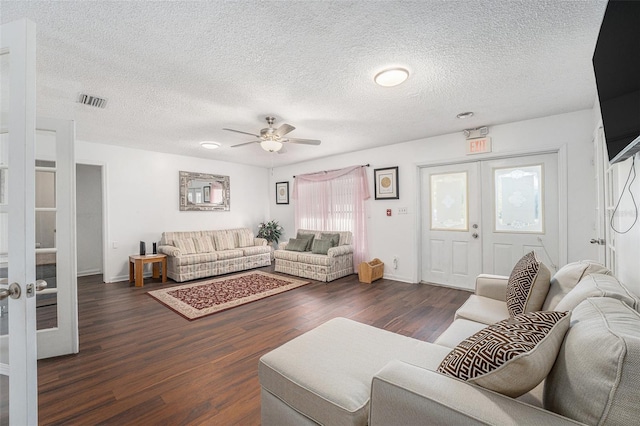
{"x": 483, "y": 309}
{"x": 459, "y": 330}
{"x": 596, "y": 375}
{"x": 597, "y": 285}
{"x": 326, "y": 373}
{"x": 566, "y": 279}
{"x": 512, "y": 356}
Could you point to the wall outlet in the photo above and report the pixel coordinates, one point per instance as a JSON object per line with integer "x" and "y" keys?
{"x": 114, "y": 244}
{"x": 395, "y": 262}
{"x": 402, "y": 210}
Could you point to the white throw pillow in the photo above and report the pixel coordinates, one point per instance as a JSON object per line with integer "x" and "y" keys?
{"x": 511, "y": 356}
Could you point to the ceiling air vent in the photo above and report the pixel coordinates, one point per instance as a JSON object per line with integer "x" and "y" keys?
{"x": 93, "y": 101}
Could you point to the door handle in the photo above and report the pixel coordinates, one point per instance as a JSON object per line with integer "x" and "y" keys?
{"x": 38, "y": 286}
{"x": 14, "y": 291}
{"x": 475, "y": 235}
{"x": 598, "y": 241}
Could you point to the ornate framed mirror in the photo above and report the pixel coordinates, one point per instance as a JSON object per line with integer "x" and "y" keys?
{"x": 202, "y": 191}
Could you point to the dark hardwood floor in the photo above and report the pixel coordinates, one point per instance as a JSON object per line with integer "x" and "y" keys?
{"x": 142, "y": 364}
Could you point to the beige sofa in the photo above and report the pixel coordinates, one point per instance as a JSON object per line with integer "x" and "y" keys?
{"x": 348, "y": 373}
{"x": 200, "y": 254}
{"x": 337, "y": 263}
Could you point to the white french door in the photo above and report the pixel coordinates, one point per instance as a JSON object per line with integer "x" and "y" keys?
{"x": 56, "y": 306}
{"x": 451, "y": 244}
{"x": 482, "y": 216}
{"x": 520, "y": 212}
{"x": 18, "y": 365}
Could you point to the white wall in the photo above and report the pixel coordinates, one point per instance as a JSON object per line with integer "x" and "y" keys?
{"x": 628, "y": 244}
{"x": 397, "y": 235}
{"x": 142, "y": 198}
{"x": 89, "y": 219}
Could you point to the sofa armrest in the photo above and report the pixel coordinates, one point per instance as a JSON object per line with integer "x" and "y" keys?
{"x": 340, "y": 250}
{"x": 169, "y": 250}
{"x": 402, "y": 393}
{"x": 259, "y": 242}
{"x": 492, "y": 286}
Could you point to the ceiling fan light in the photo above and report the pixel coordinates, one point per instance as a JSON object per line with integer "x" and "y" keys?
{"x": 271, "y": 145}
{"x": 391, "y": 77}
{"x": 210, "y": 145}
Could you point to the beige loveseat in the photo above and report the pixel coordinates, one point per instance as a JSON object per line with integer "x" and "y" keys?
{"x": 348, "y": 373}
{"x": 200, "y": 254}
{"x": 337, "y": 263}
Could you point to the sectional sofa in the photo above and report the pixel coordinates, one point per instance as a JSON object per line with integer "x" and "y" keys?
{"x": 200, "y": 254}
{"x": 577, "y": 334}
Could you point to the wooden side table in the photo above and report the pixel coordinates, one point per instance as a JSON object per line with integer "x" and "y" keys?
{"x": 136, "y": 263}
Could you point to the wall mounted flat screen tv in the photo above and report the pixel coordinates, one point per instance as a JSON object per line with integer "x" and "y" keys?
{"x": 616, "y": 63}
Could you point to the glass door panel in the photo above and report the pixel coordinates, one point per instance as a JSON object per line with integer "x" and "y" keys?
{"x": 518, "y": 199}
{"x": 449, "y": 203}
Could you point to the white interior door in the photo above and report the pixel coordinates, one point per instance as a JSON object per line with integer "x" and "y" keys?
{"x": 520, "y": 211}
{"x": 56, "y": 306}
{"x": 481, "y": 217}
{"x": 18, "y": 365}
{"x": 451, "y": 226}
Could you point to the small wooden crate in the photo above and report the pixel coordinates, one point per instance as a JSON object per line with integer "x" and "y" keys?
{"x": 370, "y": 271}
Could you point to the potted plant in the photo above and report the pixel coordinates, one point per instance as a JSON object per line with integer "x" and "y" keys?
{"x": 270, "y": 231}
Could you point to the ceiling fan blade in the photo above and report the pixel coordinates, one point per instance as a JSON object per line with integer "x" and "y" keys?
{"x": 303, "y": 141}
{"x": 243, "y": 144}
{"x": 283, "y": 130}
{"x": 244, "y": 133}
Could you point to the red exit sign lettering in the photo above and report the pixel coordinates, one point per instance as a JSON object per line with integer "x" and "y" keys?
{"x": 478, "y": 146}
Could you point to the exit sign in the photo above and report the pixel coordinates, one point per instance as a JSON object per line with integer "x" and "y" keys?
{"x": 478, "y": 146}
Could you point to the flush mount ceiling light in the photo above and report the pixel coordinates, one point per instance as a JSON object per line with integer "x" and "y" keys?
{"x": 210, "y": 145}
{"x": 391, "y": 77}
{"x": 464, "y": 115}
{"x": 271, "y": 145}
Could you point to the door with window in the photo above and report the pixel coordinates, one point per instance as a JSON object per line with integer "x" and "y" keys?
{"x": 18, "y": 366}
{"x": 451, "y": 245}
{"x": 481, "y": 217}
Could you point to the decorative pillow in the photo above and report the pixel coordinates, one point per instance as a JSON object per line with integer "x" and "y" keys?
{"x": 245, "y": 239}
{"x": 296, "y": 244}
{"x": 511, "y": 356}
{"x": 186, "y": 246}
{"x": 334, "y": 237}
{"x": 321, "y": 246}
{"x": 204, "y": 244}
{"x": 528, "y": 285}
{"x": 224, "y": 240}
{"x": 308, "y": 238}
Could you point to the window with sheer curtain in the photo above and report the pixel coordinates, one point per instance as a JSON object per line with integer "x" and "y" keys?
{"x": 334, "y": 201}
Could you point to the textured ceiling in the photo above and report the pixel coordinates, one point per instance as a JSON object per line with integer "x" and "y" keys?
{"x": 176, "y": 72}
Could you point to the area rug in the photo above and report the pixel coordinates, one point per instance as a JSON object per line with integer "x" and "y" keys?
{"x": 203, "y": 298}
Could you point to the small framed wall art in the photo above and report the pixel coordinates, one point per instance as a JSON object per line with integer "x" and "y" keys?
{"x": 385, "y": 182}
{"x": 282, "y": 192}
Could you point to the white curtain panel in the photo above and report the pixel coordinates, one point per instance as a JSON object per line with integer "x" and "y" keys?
{"x": 334, "y": 201}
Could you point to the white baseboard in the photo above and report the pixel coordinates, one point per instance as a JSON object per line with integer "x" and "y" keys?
{"x": 89, "y": 272}
{"x": 398, "y": 278}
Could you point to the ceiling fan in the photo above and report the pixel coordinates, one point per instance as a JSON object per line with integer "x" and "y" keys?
{"x": 272, "y": 139}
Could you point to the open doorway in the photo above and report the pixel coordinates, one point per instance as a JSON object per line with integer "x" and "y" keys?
{"x": 89, "y": 219}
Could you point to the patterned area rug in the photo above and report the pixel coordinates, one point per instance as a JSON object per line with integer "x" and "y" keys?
{"x": 203, "y": 298}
